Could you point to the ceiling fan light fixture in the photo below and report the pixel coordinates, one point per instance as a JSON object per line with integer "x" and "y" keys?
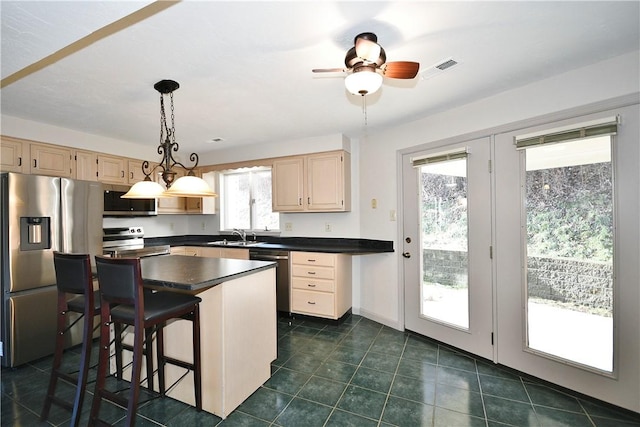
{"x": 363, "y": 82}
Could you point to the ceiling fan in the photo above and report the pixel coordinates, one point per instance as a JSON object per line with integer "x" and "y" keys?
{"x": 366, "y": 63}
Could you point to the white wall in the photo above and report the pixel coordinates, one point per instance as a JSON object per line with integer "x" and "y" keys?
{"x": 374, "y": 169}
{"x": 380, "y": 293}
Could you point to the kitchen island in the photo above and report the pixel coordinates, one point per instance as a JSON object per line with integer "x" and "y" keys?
{"x": 237, "y": 326}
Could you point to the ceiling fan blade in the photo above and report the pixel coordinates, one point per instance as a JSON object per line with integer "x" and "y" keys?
{"x": 328, "y": 70}
{"x": 367, "y": 49}
{"x": 401, "y": 69}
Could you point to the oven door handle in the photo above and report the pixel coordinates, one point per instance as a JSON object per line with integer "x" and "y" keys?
{"x": 268, "y": 257}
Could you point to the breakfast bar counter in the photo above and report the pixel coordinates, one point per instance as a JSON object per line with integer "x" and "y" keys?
{"x": 237, "y": 326}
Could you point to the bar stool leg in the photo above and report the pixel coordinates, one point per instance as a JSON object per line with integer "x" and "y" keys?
{"x": 57, "y": 356}
{"x": 103, "y": 363}
{"x": 197, "y": 371}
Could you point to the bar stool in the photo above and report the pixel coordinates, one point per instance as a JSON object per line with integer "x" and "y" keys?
{"x": 120, "y": 282}
{"x": 73, "y": 276}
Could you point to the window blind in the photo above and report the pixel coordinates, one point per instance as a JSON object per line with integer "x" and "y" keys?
{"x": 608, "y": 127}
{"x": 437, "y": 158}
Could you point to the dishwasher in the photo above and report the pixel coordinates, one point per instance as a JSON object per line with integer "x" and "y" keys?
{"x": 282, "y": 274}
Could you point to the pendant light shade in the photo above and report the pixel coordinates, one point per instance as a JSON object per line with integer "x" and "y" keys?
{"x": 189, "y": 186}
{"x": 364, "y": 82}
{"x": 186, "y": 186}
{"x": 145, "y": 190}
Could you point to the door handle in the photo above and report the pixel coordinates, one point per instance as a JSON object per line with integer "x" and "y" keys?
{"x": 406, "y": 254}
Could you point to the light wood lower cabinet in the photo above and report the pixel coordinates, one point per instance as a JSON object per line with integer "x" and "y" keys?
{"x": 320, "y": 284}
{"x": 211, "y": 252}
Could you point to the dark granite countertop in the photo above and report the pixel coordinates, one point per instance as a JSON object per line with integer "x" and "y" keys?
{"x": 305, "y": 244}
{"x": 190, "y": 273}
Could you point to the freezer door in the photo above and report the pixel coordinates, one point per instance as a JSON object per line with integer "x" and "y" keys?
{"x": 32, "y": 326}
{"x": 82, "y": 205}
{"x": 31, "y": 221}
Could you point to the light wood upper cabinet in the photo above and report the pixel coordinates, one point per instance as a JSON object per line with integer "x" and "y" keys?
{"x": 203, "y": 205}
{"x": 287, "y": 181}
{"x": 12, "y": 155}
{"x": 177, "y": 205}
{"x": 52, "y": 160}
{"x": 112, "y": 169}
{"x": 328, "y": 182}
{"x": 134, "y": 168}
{"x": 86, "y": 165}
{"x": 314, "y": 183}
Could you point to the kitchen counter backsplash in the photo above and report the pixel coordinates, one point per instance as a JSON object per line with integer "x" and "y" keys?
{"x": 311, "y": 244}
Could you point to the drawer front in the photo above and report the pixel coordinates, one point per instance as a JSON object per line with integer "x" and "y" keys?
{"x": 312, "y": 302}
{"x": 313, "y": 258}
{"x": 312, "y": 272}
{"x": 313, "y": 284}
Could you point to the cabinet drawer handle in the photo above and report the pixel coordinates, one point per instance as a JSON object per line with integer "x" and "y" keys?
{"x": 311, "y": 302}
{"x": 19, "y": 161}
{"x": 122, "y": 174}
{"x": 311, "y": 260}
{"x": 300, "y": 201}
{"x": 308, "y": 200}
{"x": 35, "y": 163}
{"x": 312, "y": 273}
{"x": 131, "y": 175}
{"x": 311, "y": 285}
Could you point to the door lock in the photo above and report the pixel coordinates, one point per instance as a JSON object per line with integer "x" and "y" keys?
{"x": 406, "y": 254}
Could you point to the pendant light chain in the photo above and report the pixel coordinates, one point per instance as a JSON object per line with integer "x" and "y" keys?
{"x": 173, "y": 126}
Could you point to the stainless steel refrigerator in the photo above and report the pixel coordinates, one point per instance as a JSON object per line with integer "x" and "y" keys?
{"x": 40, "y": 215}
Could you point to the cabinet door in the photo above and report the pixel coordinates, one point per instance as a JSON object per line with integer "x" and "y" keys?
{"x": 287, "y": 178}
{"x": 50, "y": 160}
{"x": 325, "y": 182}
{"x": 86, "y": 165}
{"x": 168, "y": 205}
{"x": 194, "y": 204}
{"x": 135, "y": 174}
{"x": 11, "y": 155}
{"x": 111, "y": 169}
{"x": 234, "y": 253}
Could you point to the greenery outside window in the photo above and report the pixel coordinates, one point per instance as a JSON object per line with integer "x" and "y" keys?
{"x": 245, "y": 200}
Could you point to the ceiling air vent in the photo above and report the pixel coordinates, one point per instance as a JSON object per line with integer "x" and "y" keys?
{"x": 446, "y": 64}
{"x": 438, "y": 68}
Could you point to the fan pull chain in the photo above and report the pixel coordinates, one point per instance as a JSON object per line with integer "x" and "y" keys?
{"x": 364, "y": 108}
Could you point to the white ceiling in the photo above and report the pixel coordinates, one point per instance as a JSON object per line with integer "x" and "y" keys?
{"x": 245, "y": 67}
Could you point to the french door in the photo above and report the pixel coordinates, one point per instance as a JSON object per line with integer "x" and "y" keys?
{"x": 526, "y": 253}
{"x": 447, "y": 245}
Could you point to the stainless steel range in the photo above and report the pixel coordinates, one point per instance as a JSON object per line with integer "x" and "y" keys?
{"x": 123, "y": 242}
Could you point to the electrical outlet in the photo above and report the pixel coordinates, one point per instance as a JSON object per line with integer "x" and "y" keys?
{"x": 392, "y": 215}
{"x": 327, "y": 227}
{"x": 374, "y": 203}
{"x": 288, "y": 226}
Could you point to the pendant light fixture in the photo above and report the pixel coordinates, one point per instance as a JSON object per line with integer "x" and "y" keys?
{"x": 185, "y": 186}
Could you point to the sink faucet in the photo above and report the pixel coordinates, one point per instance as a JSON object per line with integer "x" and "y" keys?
{"x": 241, "y": 233}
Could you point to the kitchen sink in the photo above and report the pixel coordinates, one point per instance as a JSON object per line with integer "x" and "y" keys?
{"x": 233, "y": 243}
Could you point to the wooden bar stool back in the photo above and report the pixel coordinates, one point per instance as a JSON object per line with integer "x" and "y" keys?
{"x": 73, "y": 276}
{"x": 124, "y": 301}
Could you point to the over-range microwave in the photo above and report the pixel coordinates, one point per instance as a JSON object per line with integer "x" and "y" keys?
{"x": 114, "y": 205}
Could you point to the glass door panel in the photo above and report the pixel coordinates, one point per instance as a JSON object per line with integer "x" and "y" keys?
{"x": 443, "y": 215}
{"x": 568, "y": 196}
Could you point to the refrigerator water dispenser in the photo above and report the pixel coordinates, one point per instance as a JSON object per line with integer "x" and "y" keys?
{"x": 35, "y": 233}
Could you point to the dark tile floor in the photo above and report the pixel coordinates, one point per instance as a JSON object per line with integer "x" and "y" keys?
{"x": 358, "y": 373}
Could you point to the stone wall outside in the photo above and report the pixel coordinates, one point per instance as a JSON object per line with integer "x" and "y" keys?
{"x": 562, "y": 280}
